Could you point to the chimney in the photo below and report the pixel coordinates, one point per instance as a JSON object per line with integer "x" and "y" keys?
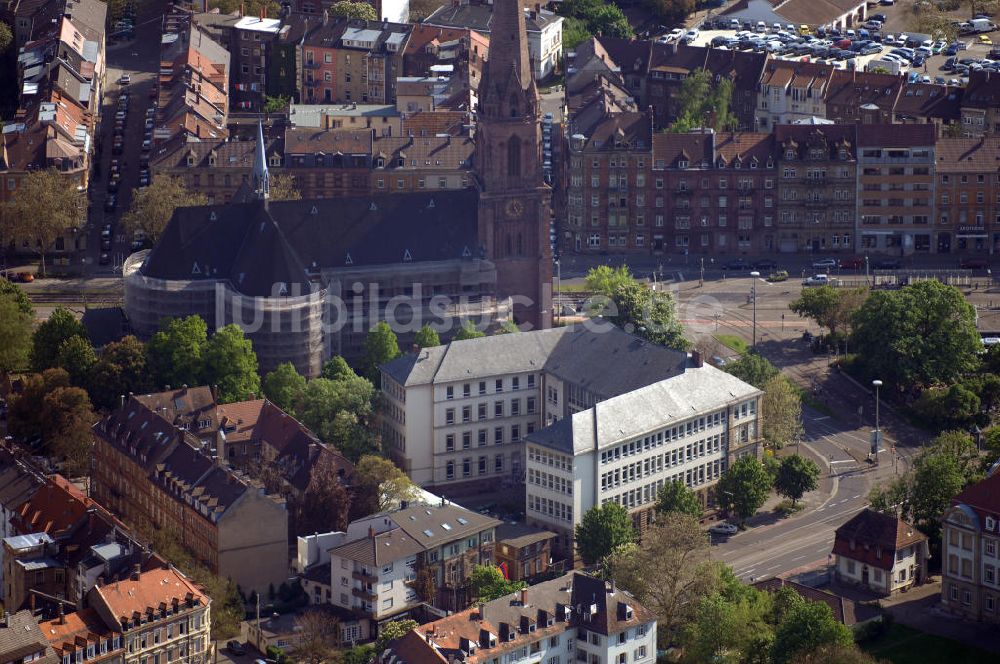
{"x": 696, "y": 359}
{"x": 136, "y": 571}
{"x": 326, "y": 17}
{"x": 100, "y": 581}
{"x": 614, "y": 587}
{"x": 524, "y": 597}
{"x": 482, "y": 611}
{"x": 371, "y": 531}
{"x": 62, "y": 614}
{"x": 215, "y": 392}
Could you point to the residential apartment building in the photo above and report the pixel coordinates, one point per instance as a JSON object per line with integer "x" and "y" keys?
{"x": 544, "y": 30}
{"x": 353, "y": 61}
{"x": 456, "y": 422}
{"x": 570, "y": 618}
{"x": 433, "y": 50}
{"x": 83, "y": 636}
{"x": 816, "y": 188}
{"x": 967, "y": 189}
{"x": 880, "y": 553}
{"x": 970, "y": 538}
{"x": 688, "y": 427}
{"x": 150, "y": 472}
{"x": 865, "y": 97}
{"x": 896, "y": 188}
{"x": 981, "y": 104}
{"x": 523, "y": 552}
{"x": 21, "y": 640}
{"x": 373, "y": 572}
{"x": 160, "y": 615}
{"x": 791, "y": 91}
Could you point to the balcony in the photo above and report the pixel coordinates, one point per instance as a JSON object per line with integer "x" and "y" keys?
{"x": 815, "y": 181}
{"x": 361, "y": 593}
{"x": 816, "y": 203}
{"x": 312, "y": 64}
{"x": 365, "y": 576}
{"x": 313, "y": 83}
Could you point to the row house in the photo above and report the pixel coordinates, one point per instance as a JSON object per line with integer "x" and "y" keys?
{"x": 193, "y": 82}
{"x": 791, "y": 91}
{"x": 967, "y": 190}
{"x": 544, "y": 30}
{"x": 22, "y": 641}
{"x": 151, "y": 472}
{"x": 880, "y": 553}
{"x": 865, "y": 97}
{"x": 350, "y": 60}
{"x": 970, "y": 555}
{"x": 816, "y": 188}
{"x": 981, "y": 104}
{"x": 896, "y": 188}
{"x": 83, "y": 636}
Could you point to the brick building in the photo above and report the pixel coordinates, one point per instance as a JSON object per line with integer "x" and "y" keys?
{"x": 970, "y": 586}
{"x": 967, "y": 188}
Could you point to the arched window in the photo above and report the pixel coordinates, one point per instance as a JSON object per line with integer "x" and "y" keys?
{"x": 509, "y": 248}
{"x": 514, "y": 157}
{"x": 520, "y": 245}
{"x": 513, "y": 106}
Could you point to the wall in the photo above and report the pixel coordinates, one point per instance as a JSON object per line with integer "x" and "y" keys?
{"x": 253, "y": 542}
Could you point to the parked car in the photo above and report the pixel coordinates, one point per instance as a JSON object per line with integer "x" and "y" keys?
{"x": 780, "y": 275}
{"x": 852, "y": 263}
{"x": 888, "y": 264}
{"x": 817, "y": 280}
{"x": 236, "y": 648}
{"x": 765, "y": 264}
{"x": 737, "y": 264}
{"x": 23, "y": 277}
{"x": 825, "y": 262}
{"x": 125, "y": 79}
{"x": 973, "y": 264}
{"x": 723, "y": 529}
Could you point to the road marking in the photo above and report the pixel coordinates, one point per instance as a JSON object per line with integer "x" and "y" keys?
{"x": 798, "y": 557}
{"x": 857, "y": 496}
{"x": 817, "y": 419}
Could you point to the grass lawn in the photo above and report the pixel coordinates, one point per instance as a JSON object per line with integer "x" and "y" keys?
{"x": 733, "y": 342}
{"x": 904, "y": 645}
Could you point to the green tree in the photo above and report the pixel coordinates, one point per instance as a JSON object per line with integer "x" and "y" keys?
{"x": 647, "y": 314}
{"x": 6, "y": 37}
{"x": 754, "y": 369}
{"x": 19, "y": 296}
{"x": 426, "y": 337}
{"x": 153, "y": 206}
{"x": 391, "y": 631}
{"x": 67, "y": 418}
{"x": 508, "y": 327}
{"x": 174, "y": 354}
{"x": 698, "y": 103}
{"x": 362, "y": 654}
{"x": 77, "y": 357}
{"x": 275, "y": 104}
{"x": 603, "y": 529}
{"x": 231, "y": 363}
{"x": 348, "y": 9}
{"x": 808, "y": 627}
{"x": 318, "y": 635}
{"x": 818, "y": 304}
{"x": 574, "y": 33}
{"x": 283, "y": 386}
{"x": 593, "y": 17}
{"x": 468, "y": 331}
{"x": 45, "y": 206}
{"x": 796, "y": 475}
{"x": 922, "y": 334}
{"x": 338, "y": 412}
{"x": 669, "y": 572}
{"x": 324, "y": 505}
{"x": 947, "y": 407}
{"x": 672, "y": 12}
{"x": 605, "y": 280}
{"x": 381, "y": 345}
{"x": 26, "y": 411}
{"x": 380, "y": 485}
{"x": 780, "y": 412}
{"x": 487, "y": 583}
{"x": 744, "y": 487}
{"x": 337, "y": 368}
{"x": 120, "y": 370}
{"x": 283, "y": 188}
{"x": 50, "y": 335}
{"x": 677, "y": 497}
{"x": 729, "y": 629}
{"x": 15, "y": 335}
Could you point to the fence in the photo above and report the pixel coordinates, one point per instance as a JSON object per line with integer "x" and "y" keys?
{"x": 900, "y": 278}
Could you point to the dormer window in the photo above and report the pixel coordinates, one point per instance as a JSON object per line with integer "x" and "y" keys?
{"x": 789, "y": 154}
{"x": 211, "y": 160}
{"x": 190, "y": 160}
{"x": 682, "y": 163}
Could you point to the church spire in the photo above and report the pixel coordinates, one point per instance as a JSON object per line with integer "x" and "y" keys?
{"x": 509, "y": 45}
{"x": 261, "y": 178}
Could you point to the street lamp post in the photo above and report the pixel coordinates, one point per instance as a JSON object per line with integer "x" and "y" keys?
{"x": 877, "y": 439}
{"x": 753, "y": 295}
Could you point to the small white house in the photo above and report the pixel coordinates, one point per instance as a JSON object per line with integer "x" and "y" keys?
{"x": 880, "y": 552}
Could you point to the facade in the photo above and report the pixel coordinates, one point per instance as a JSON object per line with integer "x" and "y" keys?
{"x": 159, "y": 613}
{"x": 896, "y": 180}
{"x": 29, "y": 567}
{"x": 18, "y": 481}
{"x": 522, "y": 552}
{"x": 980, "y": 104}
{"x": 570, "y": 618}
{"x": 151, "y": 473}
{"x": 970, "y": 560}
{"x": 82, "y": 636}
{"x": 880, "y": 553}
{"x": 544, "y": 30}
{"x": 456, "y": 416}
{"x": 689, "y": 427}
{"x": 817, "y": 188}
{"x": 967, "y": 190}
{"x": 792, "y": 91}
{"x": 374, "y": 568}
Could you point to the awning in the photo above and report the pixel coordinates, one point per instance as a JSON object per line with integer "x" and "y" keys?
{"x": 973, "y": 237}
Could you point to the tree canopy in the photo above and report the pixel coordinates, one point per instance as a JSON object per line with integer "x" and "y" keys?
{"x": 426, "y": 337}
{"x": 829, "y": 307}
{"x": 380, "y": 485}
{"x": 744, "y": 487}
{"x": 283, "y": 386}
{"x": 77, "y": 357}
{"x": 120, "y": 370}
{"x": 807, "y": 627}
{"x": 153, "y": 206}
{"x": 780, "y": 412}
{"x": 921, "y": 335}
{"x": 487, "y": 583}
{"x": 468, "y": 331}
{"x": 593, "y": 17}
{"x": 348, "y": 9}
{"x": 44, "y": 206}
{"x": 15, "y": 334}
{"x": 647, "y": 314}
{"x": 67, "y": 418}
{"x": 174, "y": 354}
{"x": 337, "y": 410}
{"x": 753, "y": 368}
{"x": 699, "y": 103}
{"x": 603, "y": 529}
{"x": 796, "y": 475}
{"x": 19, "y": 296}
{"x": 381, "y": 345}
{"x": 392, "y": 631}
{"x": 231, "y": 364}
{"x": 676, "y": 496}
{"x": 50, "y": 336}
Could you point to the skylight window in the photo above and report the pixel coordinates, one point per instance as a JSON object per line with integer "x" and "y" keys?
{"x": 429, "y": 532}
{"x": 446, "y": 526}
{"x": 462, "y": 520}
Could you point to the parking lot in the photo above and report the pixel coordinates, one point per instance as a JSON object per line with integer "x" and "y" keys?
{"x": 858, "y": 48}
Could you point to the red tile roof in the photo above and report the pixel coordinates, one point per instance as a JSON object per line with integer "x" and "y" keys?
{"x": 873, "y": 538}
{"x": 153, "y": 590}
{"x": 983, "y": 497}
{"x": 55, "y": 508}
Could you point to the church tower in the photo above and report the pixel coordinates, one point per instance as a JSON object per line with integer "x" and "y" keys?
{"x": 514, "y": 212}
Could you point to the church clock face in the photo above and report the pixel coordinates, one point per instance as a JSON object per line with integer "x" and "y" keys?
{"x": 514, "y": 209}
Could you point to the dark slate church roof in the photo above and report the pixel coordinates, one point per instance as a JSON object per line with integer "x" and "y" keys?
{"x": 254, "y": 246}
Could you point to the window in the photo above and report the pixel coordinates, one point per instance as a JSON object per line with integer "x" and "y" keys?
{"x": 450, "y": 470}
{"x": 498, "y": 463}
{"x": 466, "y": 467}
{"x": 466, "y": 414}
{"x": 499, "y": 385}
{"x": 466, "y": 440}
{"x": 449, "y": 442}
{"x": 498, "y": 409}
{"x": 449, "y": 416}
{"x": 481, "y": 412}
